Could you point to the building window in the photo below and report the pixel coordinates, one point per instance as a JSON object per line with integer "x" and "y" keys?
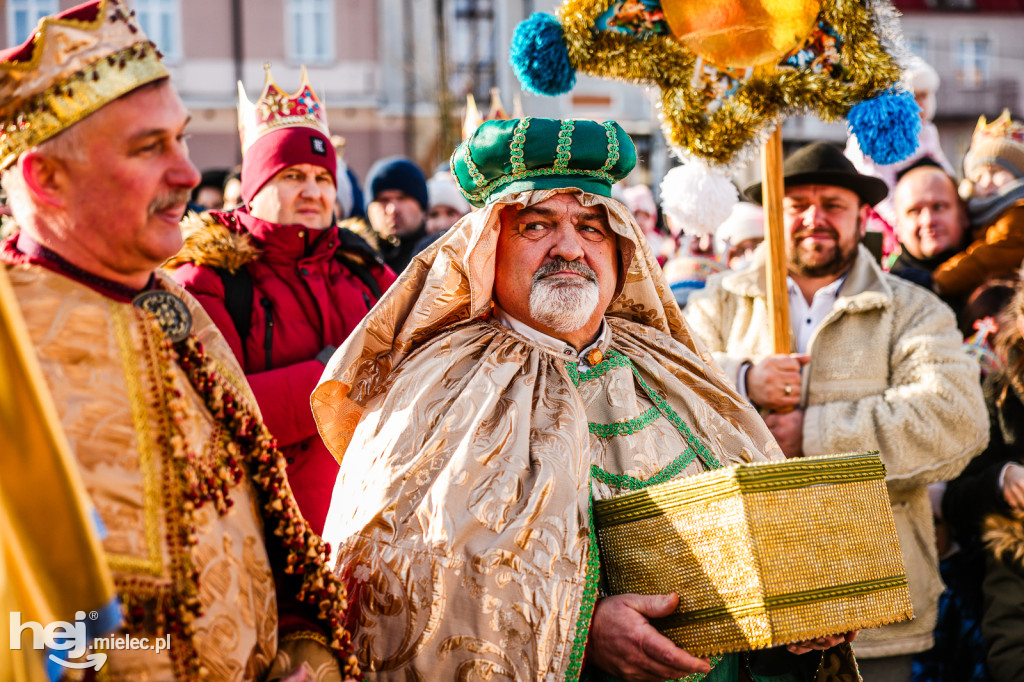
{"x": 973, "y": 58}
{"x": 310, "y": 27}
{"x": 474, "y": 48}
{"x": 161, "y": 20}
{"x": 919, "y": 45}
{"x": 23, "y": 15}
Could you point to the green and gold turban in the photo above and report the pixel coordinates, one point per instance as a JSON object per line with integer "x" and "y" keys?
{"x": 515, "y": 155}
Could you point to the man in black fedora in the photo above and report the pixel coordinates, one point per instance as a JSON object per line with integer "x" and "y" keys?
{"x": 877, "y": 365}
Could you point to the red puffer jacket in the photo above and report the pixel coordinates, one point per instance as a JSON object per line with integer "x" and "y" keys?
{"x": 304, "y": 299}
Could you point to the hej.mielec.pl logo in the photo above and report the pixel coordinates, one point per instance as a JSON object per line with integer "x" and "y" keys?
{"x": 72, "y": 638}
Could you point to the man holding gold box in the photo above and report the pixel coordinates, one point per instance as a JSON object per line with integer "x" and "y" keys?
{"x": 531, "y": 361}
{"x": 878, "y": 366}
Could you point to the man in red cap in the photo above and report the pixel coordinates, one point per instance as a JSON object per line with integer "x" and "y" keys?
{"x": 206, "y": 546}
{"x": 281, "y": 280}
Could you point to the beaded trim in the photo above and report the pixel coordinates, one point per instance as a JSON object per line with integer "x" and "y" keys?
{"x": 613, "y": 359}
{"x": 631, "y": 483}
{"x": 488, "y": 189}
{"x": 587, "y": 603}
{"x": 515, "y": 148}
{"x": 153, "y": 564}
{"x": 474, "y": 172}
{"x": 626, "y": 427}
{"x": 613, "y": 146}
{"x": 246, "y": 447}
{"x": 697, "y": 677}
{"x": 563, "y": 152}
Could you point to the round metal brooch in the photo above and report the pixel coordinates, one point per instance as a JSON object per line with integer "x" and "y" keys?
{"x": 170, "y": 311}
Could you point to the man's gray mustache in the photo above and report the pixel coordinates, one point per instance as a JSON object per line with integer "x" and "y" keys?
{"x": 176, "y": 198}
{"x": 561, "y": 265}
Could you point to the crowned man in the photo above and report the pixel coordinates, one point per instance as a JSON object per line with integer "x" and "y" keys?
{"x": 283, "y": 283}
{"x": 204, "y": 540}
{"x": 528, "y": 362}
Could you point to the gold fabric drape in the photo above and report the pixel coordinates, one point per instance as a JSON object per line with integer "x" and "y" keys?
{"x": 469, "y": 457}
{"x": 51, "y": 561}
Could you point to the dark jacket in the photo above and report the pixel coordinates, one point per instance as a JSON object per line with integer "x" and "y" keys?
{"x": 975, "y": 493}
{"x": 1003, "y": 621}
{"x": 304, "y": 301}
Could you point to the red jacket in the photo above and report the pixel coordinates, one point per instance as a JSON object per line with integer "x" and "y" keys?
{"x": 303, "y": 300}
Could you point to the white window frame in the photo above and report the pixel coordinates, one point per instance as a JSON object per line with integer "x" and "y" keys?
{"x": 983, "y": 73}
{"x": 306, "y": 11}
{"x": 922, "y": 38}
{"x": 37, "y": 9}
{"x": 168, "y": 11}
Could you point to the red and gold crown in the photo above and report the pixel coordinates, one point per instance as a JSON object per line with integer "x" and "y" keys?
{"x": 275, "y": 110}
{"x": 72, "y": 65}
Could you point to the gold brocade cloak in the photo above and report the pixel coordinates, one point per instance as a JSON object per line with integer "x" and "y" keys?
{"x": 470, "y": 454}
{"x": 175, "y": 561}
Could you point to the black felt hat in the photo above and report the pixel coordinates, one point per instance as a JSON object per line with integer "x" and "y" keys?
{"x": 822, "y": 164}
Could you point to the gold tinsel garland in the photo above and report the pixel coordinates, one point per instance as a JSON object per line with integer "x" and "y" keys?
{"x": 758, "y": 103}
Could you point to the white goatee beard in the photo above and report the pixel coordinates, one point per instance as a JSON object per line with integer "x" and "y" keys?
{"x": 564, "y": 307}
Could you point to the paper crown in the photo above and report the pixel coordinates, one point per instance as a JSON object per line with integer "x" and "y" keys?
{"x": 72, "y": 65}
{"x": 1000, "y": 142}
{"x": 1002, "y": 127}
{"x": 516, "y": 155}
{"x": 275, "y": 110}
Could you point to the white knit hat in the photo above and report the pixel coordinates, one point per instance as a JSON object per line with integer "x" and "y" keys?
{"x": 745, "y": 222}
{"x": 442, "y": 191}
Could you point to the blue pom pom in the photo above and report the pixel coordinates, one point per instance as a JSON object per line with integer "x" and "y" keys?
{"x": 539, "y": 57}
{"x": 887, "y": 127}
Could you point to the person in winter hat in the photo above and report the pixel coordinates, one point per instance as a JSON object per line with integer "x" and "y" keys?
{"x": 281, "y": 280}
{"x": 396, "y": 206}
{"x": 994, "y": 191}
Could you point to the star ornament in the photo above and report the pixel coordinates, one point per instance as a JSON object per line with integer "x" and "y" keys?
{"x": 730, "y": 71}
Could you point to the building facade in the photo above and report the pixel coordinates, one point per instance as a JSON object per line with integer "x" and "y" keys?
{"x": 390, "y": 72}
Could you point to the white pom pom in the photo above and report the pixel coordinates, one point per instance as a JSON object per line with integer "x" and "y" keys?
{"x": 697, "y": 197}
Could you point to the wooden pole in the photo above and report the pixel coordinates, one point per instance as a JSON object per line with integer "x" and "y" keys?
{"x": 775, "y": 266}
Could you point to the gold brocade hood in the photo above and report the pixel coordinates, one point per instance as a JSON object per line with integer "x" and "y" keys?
{"x": 452, "y": 282}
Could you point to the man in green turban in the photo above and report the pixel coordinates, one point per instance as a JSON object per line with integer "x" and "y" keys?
{"x": 531, "y": 361}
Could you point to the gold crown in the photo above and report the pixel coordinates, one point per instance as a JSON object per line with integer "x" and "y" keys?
{"x": 275, "y": 110}
{"x": 74, "y": 64}
{"x": 1002, "y": 127}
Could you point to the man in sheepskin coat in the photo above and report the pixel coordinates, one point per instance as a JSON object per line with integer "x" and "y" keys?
{"x": 878, "y": 366}
{"x": 283, "y": 283}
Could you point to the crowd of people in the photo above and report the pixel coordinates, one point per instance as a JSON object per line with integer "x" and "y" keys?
{"x": 330, "y": 428}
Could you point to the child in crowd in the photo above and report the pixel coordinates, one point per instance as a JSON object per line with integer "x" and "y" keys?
{"x": 994, "y": 191}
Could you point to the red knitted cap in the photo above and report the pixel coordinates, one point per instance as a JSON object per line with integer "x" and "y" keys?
{"x": 279, "y": 149}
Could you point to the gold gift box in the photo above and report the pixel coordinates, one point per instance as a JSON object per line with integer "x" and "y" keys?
{"x": 761, "y": 555}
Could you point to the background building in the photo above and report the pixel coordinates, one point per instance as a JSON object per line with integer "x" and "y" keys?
{"x": 392, "y": 71}
{"x": 977, "y": 47}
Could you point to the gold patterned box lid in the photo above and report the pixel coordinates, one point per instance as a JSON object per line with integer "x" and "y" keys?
{"x": 73, "y": 64}
{"x": 762, "y": 554}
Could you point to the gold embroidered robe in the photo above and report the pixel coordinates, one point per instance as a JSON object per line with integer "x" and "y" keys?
{"x": 461, "y": 517}
{"x": 102, "y": 363}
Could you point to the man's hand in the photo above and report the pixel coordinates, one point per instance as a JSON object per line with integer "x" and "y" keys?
{"x": 821, "y": 643}
{"x": 774, "y": 383}
{"x": 1013, "y": 485}
{"x": 623, "y": 643}
{"x": 788, "y": 430}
